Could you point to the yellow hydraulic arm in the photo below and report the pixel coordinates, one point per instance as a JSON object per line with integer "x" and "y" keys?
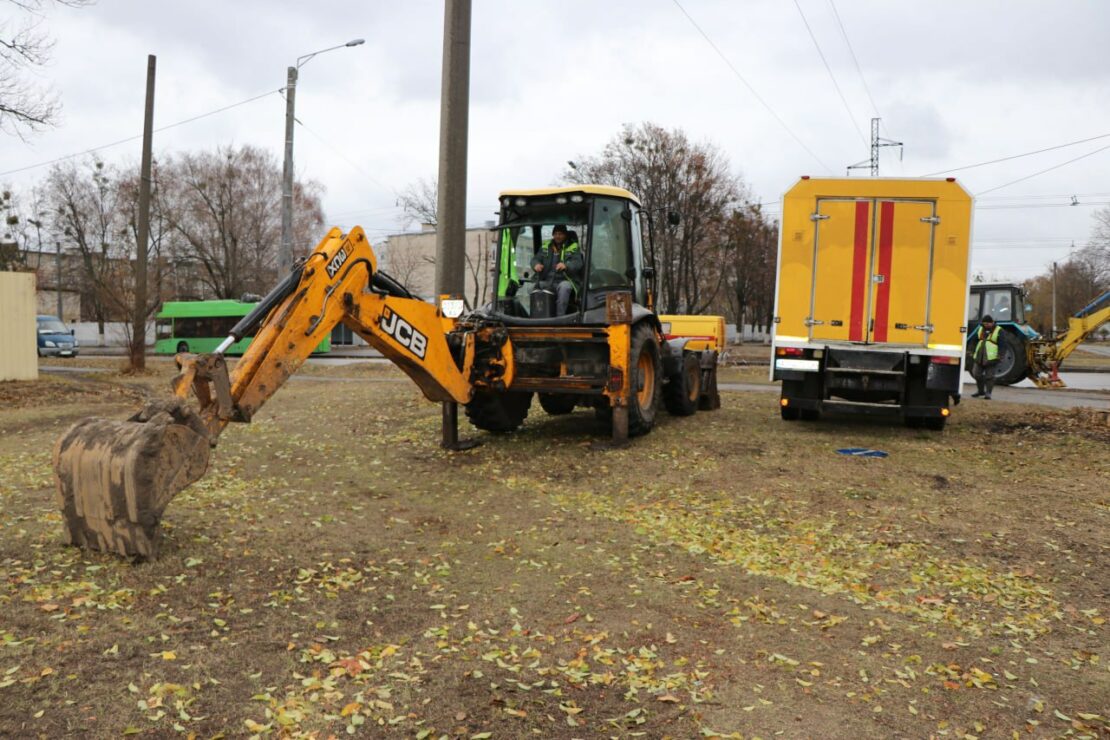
{"x": 337, "y": 284}
{"x": 115, "y": 478}
{"x": 1045, "y": 355}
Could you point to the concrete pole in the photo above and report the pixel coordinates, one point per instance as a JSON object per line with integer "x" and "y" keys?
{"x": 138, "y": 323}
{"x": 58, "y": 276}
{"x": 1053, "y": 299}
{"x": 285, "y": 255}
{"x": 453, "y": 117}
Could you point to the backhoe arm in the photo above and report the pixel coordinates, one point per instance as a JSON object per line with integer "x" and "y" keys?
{"x": 115, "y": 478}
{"x": 1045, "y": 355}
{"x": 336, "y": 284}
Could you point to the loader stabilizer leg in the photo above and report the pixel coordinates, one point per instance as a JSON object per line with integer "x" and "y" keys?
{"x": 450, "y": 439}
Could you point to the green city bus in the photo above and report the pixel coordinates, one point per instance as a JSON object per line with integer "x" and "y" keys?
{"x": 200, "y": 326}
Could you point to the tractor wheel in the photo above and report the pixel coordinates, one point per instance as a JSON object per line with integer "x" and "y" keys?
{"x": 558, "y": 404}
{"x": 1012, "y": 362}
{"x": 681, "y": 394}
{"x": 647, "y": 376}
{"x": 498, "y": 412}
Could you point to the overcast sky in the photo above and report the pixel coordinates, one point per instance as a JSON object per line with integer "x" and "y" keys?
{"x": 959, "y": 82}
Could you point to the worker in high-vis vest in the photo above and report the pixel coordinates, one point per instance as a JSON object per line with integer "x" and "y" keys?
{"x": 559, "y": 263}
{"x": 984, "y": 357}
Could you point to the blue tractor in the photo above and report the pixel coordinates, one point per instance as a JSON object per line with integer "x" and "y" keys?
{"x": 1005, "y": 303}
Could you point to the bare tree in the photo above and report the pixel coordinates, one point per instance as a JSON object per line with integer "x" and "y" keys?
{"x": 1097, "y": 252}
{"x": 418, "y": 202}
{"x": 669, "y": 172}
{"x": 224, "y": 210}
{"x": 1079, "y": 280}
{"x": 24, "y": 47}
{"x": 751, "y": 242}
{"x": 93, "y": 207}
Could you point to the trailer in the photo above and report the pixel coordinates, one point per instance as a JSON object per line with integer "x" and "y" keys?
{"x": 872, "y": 282}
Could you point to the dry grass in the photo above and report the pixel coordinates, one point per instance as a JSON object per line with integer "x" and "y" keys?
{"x": 728, "y": 573}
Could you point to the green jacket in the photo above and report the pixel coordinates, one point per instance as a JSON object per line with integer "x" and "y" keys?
{"x": 570, "y": 255}
{"x": 986, "y": 350}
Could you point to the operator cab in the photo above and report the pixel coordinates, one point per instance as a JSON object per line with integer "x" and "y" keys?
{"x": 606, "y": 224}
{"x": 1003, "y": 302}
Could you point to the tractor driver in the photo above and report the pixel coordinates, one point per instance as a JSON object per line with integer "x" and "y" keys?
{"x": 559, "y": 262}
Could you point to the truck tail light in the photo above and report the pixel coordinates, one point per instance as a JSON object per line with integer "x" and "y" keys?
{"x": 784, "y": 402}
{"x": 945, "y": 412}
{"x": 789, "y": 352}
{"x": 938, "y": 360}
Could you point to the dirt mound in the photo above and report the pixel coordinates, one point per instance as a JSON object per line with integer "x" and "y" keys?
{"x": 1089, "y": 423}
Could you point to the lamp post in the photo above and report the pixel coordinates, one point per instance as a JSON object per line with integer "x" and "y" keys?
{"x": 285, "y": 257}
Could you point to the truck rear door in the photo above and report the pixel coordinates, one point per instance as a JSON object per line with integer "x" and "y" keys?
{"x": 872, "y": 265}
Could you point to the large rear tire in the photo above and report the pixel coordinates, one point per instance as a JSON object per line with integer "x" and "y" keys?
{"x": 558, "y": 404}
{"x": 1012, "y": 362}
{"x": 498, "y": 412}
{"x": 647, "y": 374}
{"x": 682, "y": 392}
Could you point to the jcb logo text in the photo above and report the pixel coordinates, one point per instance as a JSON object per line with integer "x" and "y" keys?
{"x": 402, "y": 331}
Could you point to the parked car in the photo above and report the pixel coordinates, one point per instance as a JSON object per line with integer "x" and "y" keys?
{"x": 55, "y": 340}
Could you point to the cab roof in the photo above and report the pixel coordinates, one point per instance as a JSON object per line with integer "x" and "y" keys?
{"x": 608, "y": 190}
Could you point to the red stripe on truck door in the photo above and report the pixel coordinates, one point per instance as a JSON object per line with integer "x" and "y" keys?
{"x": 859, "y": 272}
{"x": 886, "y": 247}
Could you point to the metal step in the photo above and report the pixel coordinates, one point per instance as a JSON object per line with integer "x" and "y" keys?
{"x": 863, "y": 371}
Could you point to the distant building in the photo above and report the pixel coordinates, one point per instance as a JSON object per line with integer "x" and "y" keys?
{"x": 411, "y": 259}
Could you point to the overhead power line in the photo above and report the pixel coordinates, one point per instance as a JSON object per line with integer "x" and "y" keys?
{"x": 855, "y": 61}
{"x": 1015, "y": 156}
{"x": 139, "y": 136}
{"x": 1047, "y": 169}
{"x": 751, "y": 89}
{"x": 839, "y": 92}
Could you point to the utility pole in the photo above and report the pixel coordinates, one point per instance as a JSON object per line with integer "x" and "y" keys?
{"x": 138, "y": 324}
{"x": 877, "y": 143}
{"x": 58, "y": 275}
{"x": 453, "y": 118}
{"x": 285, "y": 256}
{"x": 1054, "y": 299}
{"x": 454, "y": 108}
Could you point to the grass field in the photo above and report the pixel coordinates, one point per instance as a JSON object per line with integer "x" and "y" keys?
{"x": 730, "y": 573}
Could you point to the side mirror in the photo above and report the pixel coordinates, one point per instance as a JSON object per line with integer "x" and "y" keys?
{"x": 673, "y": 218}
{"x": 648, "y": 273}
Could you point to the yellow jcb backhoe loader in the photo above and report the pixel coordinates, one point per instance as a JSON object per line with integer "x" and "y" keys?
{"x": 608, "y": 350}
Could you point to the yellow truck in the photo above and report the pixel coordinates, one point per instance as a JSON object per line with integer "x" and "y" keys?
{"x": 872, "y": 284}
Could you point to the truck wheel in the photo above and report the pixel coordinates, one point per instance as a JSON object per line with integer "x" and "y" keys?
{"x": 647, "y": 387}
{"x": 1012, "y": 362}
{"x": 498, "y": 412}
{"x": 558, "y": 404}
{"x": 681, "y": 394}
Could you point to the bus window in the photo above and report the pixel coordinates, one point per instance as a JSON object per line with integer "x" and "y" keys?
{"x": 163, "y": 329}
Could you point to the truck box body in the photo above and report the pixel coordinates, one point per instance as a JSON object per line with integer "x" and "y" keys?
{"x": 871, "y": 294}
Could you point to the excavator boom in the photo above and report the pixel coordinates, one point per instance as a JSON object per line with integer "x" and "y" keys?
{"x": 115, "y": 478}
{"x": 1045, "y": 355}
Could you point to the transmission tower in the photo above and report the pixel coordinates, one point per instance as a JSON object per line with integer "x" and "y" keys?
{"x": 877, "y": 142}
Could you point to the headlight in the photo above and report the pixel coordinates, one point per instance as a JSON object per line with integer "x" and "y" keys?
{"x": 506, "y": 202}
{"x": 519, "y": 202}
{"x": 561, "y": 200}
{"x": 576, "y": 199}
{"x": 48, "y": 343}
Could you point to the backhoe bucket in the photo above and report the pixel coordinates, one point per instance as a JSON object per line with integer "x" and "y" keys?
{"x": 115, "y": 478}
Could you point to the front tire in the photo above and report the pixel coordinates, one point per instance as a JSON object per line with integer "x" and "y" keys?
{"x": 498, "y": 412}
{"x": 681, "y": 394}
{"x": 646, "y": 375}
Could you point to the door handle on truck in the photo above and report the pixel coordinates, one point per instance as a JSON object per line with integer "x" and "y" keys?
{"x": 813, "y": 322}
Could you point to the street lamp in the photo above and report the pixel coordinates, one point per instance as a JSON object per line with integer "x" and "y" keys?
{"x": 285, "y": 258}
